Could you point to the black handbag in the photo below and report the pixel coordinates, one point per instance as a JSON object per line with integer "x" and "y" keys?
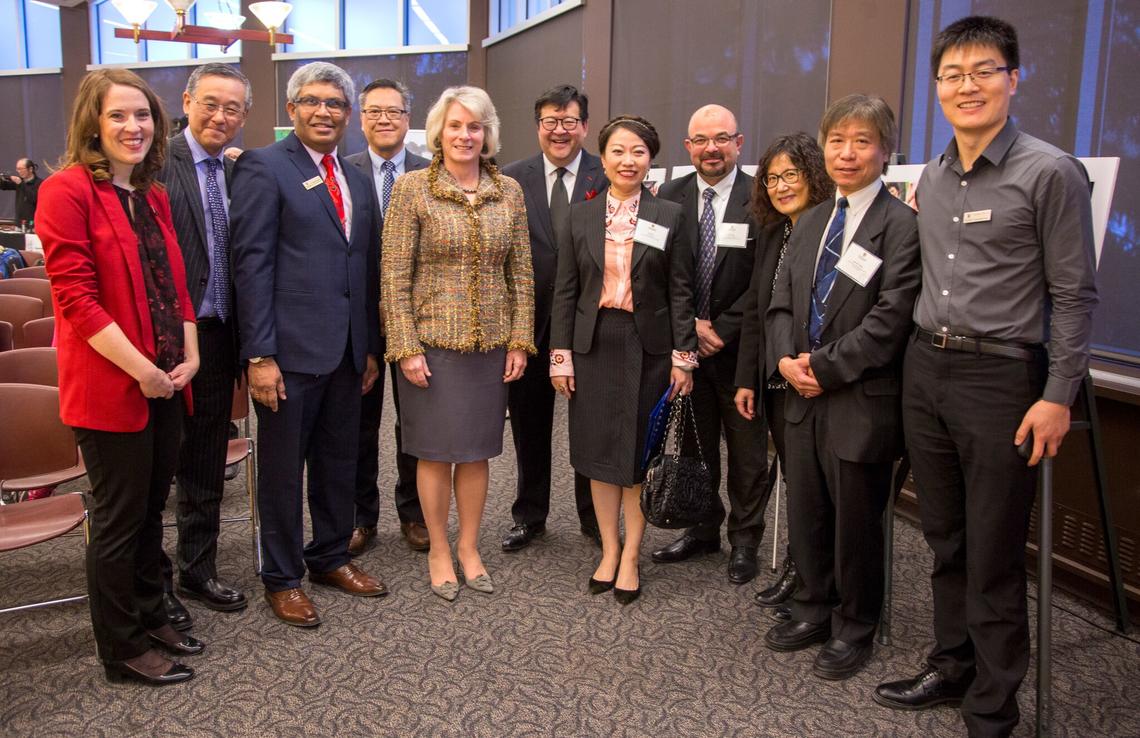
{"x": 678, "y": 489}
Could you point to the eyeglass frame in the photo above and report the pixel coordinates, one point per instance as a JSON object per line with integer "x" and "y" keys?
{"x": 335, "y": 106}
{"x": 212, "y": 109}
{"x": 391, "y": 114}
{"x": 550, "y": 123}
{"x": 772, "y": 181}
{"x": 702, "y": 141}
{"x": 989, "y": 72}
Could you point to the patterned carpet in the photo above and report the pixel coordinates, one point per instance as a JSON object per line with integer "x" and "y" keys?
{"x": 538, "y": 658}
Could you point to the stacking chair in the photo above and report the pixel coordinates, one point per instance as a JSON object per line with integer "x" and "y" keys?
{"x": 38, "y": 521}
{"x": 31, "y": 272}
{"x": 243, "y": 449}
{"x": 5, "y": 336}
{"x": 38, "y": 288}
{"x": 36, "y": 448}
{"x": 29, "y": 366}
{"x": 32, "y": 258}
{"x": 18, "y": 310}
{"x": 39, "y": 332}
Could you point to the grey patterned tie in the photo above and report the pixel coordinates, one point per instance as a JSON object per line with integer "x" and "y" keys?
{"x": 389, "y": 170}
{"x": 220, "y": 227}
{"x": 706, "y": 261}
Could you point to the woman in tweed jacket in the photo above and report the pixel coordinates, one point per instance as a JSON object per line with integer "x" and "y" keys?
{"x": 458, "y": 300}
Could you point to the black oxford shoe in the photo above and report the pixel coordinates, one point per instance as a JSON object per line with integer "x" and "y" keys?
{"x": 929, "y": 688}
{"x": 520, "y": 536}
{"x": 840, "y": 660}
{"x": 176, "y": 613}
{"x": 742, "y": 564}
{"x": 780, "y": 613}
{"x": 213, "y": 594}
{"x": 685, "y": 547}
{"x": 784, "y": 587}
{"x": 796, "y": 635}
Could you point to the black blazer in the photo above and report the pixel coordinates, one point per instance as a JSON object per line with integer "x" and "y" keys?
{"x": 865, "y": 330}
{"x": 752, "y": 369}
{"x": 661, "y": 280}
{"x": 363, "y": 162}
{"x": 531, "y": 176}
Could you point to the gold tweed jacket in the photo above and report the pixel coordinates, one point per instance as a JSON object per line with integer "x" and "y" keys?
{"x": 455, "y": 274}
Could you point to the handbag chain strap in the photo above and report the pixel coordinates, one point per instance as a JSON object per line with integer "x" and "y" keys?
{"x": 675, "y": 432}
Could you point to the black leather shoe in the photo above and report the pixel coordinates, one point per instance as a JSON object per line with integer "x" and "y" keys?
{"x": 796, "y": 635}
{"x": 590, "y": 530}
{"x": 213, "y": 594}
{"x": 520, "y": 536}
{"x": 626, "y": 596}
{"x": 742, "y": 564}
{"x": 188, "y": 645}
{"x": 685, "y": 547}
{"x": 784, "y": 587}
{"x": 176, "y": 613}
{"x": 929, "y": 688}
{"x": 597, "y": 586}
{"x": 121, "y": 671}
{"x": 840, "y": 660}
{"x": 780, "y": 613}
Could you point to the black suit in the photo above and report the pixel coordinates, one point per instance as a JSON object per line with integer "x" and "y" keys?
{"x": 841, "y": 444}
{"x": 202, "y": 459}
{"x": 531, "y": 398}
{"x": 714, "y": 382}
{"x": 27, "y": 195}
{"x": 368, "y": 461}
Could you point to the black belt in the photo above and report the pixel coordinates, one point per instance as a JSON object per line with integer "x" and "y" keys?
{"x": 979, "y": 345}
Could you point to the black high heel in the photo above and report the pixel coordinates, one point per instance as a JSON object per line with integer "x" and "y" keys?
{"x": 626, "y": 596}
{"x": 597, "y": 586}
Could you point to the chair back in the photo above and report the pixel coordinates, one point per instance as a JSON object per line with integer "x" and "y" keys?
{"x": 39, "y": 332}
{"x": 33, "y": 440}
{"x": 29, "y": 366}
{"x": 37, "y": 288}
{"x": 36, "y": 272}
{"x": 32, "y": 258}
{"x": 239, "y": 407}
{"x": 18, "y": 310}
{"x": 5, "y": 336}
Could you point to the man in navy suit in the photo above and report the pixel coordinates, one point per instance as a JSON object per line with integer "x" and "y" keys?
{"x": 216, "y": 101}
{"x": 561, "y": 174}
{"x": 306, "y": 262}
{"x": 385, "y": 111}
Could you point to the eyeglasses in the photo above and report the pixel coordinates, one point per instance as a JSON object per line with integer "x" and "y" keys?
{"x": 334, "y": 105}
{"x": 721, "y": 139}
{"x": 212, "y": 109}
{"x": 568, "y": 124}
{"x": 790, "y": 176}
{"x": 978, "y": 76}
{"x": 389, "y": 113}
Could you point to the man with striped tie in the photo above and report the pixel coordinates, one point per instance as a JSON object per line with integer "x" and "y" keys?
{"x": 837, "y": 326}
{"x": 385, "y": 112}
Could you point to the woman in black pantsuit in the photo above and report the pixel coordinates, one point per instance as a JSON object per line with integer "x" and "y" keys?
{"x": 622, "y": 331}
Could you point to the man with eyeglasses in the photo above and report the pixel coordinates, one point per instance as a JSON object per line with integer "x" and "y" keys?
{"x": 385, "y": 113}
{"x": 306, "y": 271}
{"x": 197, "y": 175}
{"x": 716, "y": 201}
{"x": 561, "y": 174}
{"x": 27, "y": 186}
{"x": 999, "y": 351}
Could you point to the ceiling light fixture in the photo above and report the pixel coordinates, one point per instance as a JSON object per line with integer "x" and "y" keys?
{"x": 225, "y": 31}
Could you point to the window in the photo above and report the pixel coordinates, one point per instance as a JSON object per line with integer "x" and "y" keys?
{"x": 30, "y": 36}
{"x": 506, "y": 14}
{"x": 106, "y": 49}
{"x": 334, "y": 25}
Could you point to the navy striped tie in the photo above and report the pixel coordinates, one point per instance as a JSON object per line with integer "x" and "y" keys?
{"x": 825, "y": 272}
{"x": 220, "y": 227}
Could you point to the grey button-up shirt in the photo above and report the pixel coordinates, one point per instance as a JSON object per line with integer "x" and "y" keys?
{"x": 1007, "y": 252}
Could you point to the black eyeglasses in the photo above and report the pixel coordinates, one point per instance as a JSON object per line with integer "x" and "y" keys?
{"x": 333, "y": 105}
{"x": 568, "y": 124}
{"x": 790, "y": 176}
{"x": 389, "y": 113}
{"x": 978, "y": 76}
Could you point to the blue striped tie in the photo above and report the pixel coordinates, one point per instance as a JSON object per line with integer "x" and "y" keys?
{"x": 220, "y": 227}
{"x": 706, "y": 258}
{"x": 825, "y": 272}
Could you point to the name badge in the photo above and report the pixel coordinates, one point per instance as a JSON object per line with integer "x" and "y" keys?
{"x": 311, "y": 183}
{"x": 732, "y": 235}
{"x": 651, "y": 234}
{"x": 977, "y": 216}
{"x": 859, "y": 264}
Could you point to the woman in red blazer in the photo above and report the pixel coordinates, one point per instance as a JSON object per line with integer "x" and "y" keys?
{"x": 127, "y": 349}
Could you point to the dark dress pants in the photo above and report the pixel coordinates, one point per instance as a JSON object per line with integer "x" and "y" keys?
{"x": 835, "y": 528}
{"x": 368, "y": 461}
{"x": 714, "y": 407}
{"x": 130, "y": 477}
{"x": 317, "y": 427}
{"x": 530, "y": 401}
{"x": 960, "y": 413}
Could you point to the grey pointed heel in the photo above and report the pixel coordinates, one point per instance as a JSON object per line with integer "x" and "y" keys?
{"x": 481, "y": 583}
{"x": 448, "y": 590}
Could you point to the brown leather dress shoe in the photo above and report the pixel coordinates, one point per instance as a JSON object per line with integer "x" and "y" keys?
{"x": 416, "y": 535}
{"x": 294, "y": 607}
{"x": 350, "y": 578}
{"x": 361, "y": 536}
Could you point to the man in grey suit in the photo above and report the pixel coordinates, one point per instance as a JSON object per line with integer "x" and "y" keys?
{"x": 197, "y": 173}
{"x": 561, "y": 174}
{"x": 385, "y": 112}
{"x": 716, "y": 199}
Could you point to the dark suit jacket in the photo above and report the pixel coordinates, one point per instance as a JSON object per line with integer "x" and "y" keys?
{"x": 363, "y": 162}
{"x": 752, "y": 368}
{"x": 661, "y": 280}
{"x": 865, "y": 329}
{"x": 27, "y": 193}
{"x": 733, "y": 268}
{"x": 304, "y": 290}
{"x": 531, "y": 175}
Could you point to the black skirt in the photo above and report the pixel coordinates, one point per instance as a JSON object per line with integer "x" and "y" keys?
{"x": 616, "y": 386}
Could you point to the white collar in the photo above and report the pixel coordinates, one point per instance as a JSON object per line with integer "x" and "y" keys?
{"x": 571, "y": 168}
{"x": 721, "y": 188}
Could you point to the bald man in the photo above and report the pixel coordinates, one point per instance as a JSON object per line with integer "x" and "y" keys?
{"x": 716, "y": 199}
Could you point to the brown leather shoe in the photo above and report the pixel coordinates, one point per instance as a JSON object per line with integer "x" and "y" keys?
{"x": 416, "y": 535}
{"x": 361, "y": 536}
{"x": 294, "y": 607}
{"x": 351, "y": 579}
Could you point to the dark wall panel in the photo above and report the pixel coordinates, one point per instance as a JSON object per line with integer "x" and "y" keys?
{"x": 35, "y": 125}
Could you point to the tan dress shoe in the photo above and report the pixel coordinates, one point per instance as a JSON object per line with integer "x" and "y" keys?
{"x": 294, "y": 607}
{"x": 351, "y": 579}
{"x": 416, "y": 535}
{"x": 361, "y": 536}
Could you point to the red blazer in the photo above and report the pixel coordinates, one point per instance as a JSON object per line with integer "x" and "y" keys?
{"x": 92, "y": 258}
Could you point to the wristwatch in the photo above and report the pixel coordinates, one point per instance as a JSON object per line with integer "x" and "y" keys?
{"x": 257, "y": 359}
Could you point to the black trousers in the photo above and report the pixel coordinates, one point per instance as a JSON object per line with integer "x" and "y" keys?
{"x": 368, "y": 461}
{"x": 317, "y": 428}
{"x": 530, "y": 401}
{"x": 130, "y": 477}
{"x": 835, "y": 528}
{"x": 747, "y": 441}
{"x": 960, "y": 413}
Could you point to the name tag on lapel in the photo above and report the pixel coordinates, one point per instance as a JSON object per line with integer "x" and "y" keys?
{"x": 651, "y": 234}
{"x": 313, "y": 182}
{"x": 859, "y": 264}
{"x": 732, "y": 235}
{"x": 977, "y": 216}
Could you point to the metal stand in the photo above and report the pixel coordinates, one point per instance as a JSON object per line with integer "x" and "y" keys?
{"x": 1045, "y": 602}
{"x": 898, "y": 479}
{"x": 776, "y": 514}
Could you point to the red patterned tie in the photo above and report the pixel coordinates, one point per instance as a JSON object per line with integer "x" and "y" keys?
{"x": 334, "y": 188}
